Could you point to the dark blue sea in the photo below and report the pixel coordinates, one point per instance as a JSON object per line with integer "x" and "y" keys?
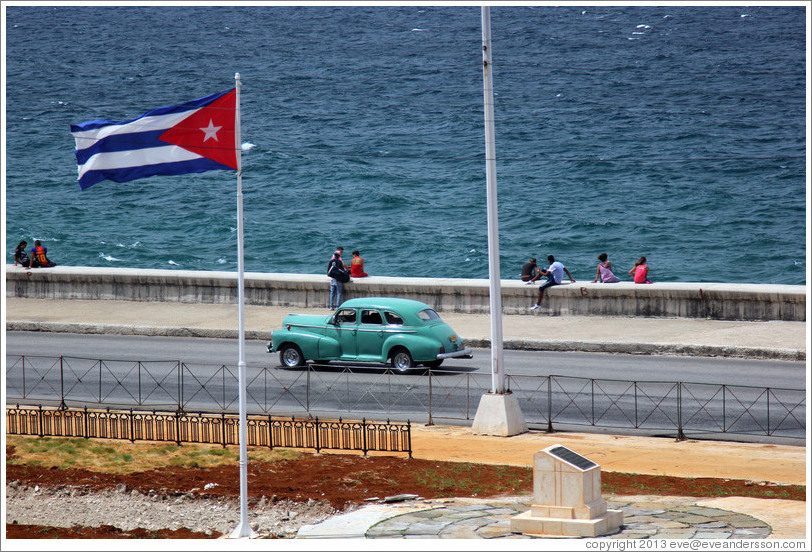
{"x": 677, "y": 133}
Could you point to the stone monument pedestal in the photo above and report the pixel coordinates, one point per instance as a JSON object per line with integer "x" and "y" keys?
{"x": 566, "y": 498}
{"x": 499, "y": 414}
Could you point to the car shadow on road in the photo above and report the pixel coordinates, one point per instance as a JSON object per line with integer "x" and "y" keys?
{"x": 340, "y": 367}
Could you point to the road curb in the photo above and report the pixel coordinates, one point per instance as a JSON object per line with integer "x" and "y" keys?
{"x": 756, "y": 353}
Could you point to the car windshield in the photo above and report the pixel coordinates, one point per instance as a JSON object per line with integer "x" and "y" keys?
{"x": 428, "y": 315}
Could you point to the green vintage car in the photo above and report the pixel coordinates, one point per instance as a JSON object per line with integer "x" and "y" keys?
{"x": 370, "y": 329}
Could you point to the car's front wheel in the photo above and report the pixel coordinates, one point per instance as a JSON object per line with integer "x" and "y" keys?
{"x": 290, "y": 355}
{"x": 402, "y": 359}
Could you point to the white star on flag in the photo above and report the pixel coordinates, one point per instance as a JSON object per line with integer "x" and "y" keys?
{"x": 211, "y": 131}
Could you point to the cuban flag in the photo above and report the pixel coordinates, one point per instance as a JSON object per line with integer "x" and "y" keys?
{"x": 192, "y": 137}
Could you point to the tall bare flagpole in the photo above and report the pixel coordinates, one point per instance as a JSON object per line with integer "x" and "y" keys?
{"x": 243, "y": 529}
{"x": 497, "y": 363}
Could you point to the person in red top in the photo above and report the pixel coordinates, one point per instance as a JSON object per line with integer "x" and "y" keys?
{"x": 640, "y": 271}
{"x": 357, "y": 265}
{"x": 39, "y": 257}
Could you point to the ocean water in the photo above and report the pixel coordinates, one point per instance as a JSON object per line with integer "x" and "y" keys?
{"x": 677, "y": 133}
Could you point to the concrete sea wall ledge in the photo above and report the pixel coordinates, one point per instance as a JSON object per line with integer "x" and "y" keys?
{"x": 671, "y": 300}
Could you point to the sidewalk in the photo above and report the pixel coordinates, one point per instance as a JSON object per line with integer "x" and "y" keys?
{"x": 645, "y": 516}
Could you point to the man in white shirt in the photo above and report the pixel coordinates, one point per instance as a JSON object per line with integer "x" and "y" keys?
{"x": 555, "y": 275}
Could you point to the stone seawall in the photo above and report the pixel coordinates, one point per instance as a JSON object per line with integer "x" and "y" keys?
{"x": 671, "y": 300}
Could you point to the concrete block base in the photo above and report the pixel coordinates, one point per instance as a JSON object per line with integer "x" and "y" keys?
{"x": 606, "y": 524}
{"x": 499, "y": 415}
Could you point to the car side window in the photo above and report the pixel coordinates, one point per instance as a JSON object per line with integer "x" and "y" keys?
{"x": 345, "y": 316}
{"x": 392, "y": 318}
{"x": 371, "y": 317}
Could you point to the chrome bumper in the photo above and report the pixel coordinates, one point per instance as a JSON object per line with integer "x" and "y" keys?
{"x": 465, "y": 353}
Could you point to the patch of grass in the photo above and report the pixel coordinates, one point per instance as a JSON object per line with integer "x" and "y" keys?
{"x": 475, "y": 478}
{"x": 119, "y": 457}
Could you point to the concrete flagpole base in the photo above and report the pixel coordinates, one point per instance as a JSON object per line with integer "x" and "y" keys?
{"x": 499, "y": 414}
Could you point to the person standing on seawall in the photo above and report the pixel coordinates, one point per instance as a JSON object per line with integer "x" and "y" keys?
{"x": 357, "y": 265}
{"x": 555, "y": 275}
{"x": 640, "y": 271}
{"x": 605, "y": 273}
{"x": 336, "y": 286}
{"x": 20, "y": 255}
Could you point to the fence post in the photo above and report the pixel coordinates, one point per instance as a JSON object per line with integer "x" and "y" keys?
{"x": 467, "y": 396}
{"x": 24, "y": 377}
{"x": 409, "y": 436}
{"x": 87, "y": 431}
{"x": 270, "y": 432}
{"x": 177, "y": 426}
{"x": 636, "y": 420}
{"x": 62, "y": 405}
{"x": 592, "y": 401}
{"x": 768, "y": 411}
{"x": 223, "y": 427}
{"x": 680, "y": 434}
{"x": 550, "y": 404}
{"x": 431, "y": 422}
{"x": 364, "y": 433}
{"x": 41, "y": 434}
{"x": 101, "y": 376}
{"x": 180, "y": 386}
{"x": 307, "y": 391}
{"x": 318, "y": 441}
{"x": 724, "y": 408}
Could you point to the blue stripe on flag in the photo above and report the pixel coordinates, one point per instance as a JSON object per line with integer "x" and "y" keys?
{"x": 169, "y": 109}
{"x": 121, "y": 142}
{"x": 144, "y": 171}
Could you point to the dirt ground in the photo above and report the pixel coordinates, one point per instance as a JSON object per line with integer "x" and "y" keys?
{"x": 344, "y": 480}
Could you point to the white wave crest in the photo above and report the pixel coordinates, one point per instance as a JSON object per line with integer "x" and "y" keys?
{"x": 247, "y": 146}
{"x": 109, "y": 258}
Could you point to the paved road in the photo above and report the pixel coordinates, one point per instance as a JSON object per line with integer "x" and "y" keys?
{"x": 731, "y": 371}
{"x": 588, "y": 390}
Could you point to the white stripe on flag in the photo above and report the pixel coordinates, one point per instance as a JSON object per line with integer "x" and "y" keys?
{"x": 86, "y": 138}
{"x": 137, "y": 158}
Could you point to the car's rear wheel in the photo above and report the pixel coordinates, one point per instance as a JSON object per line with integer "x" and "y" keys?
{"x": 433, "y": 363}
{"x": 402, "y": 359}
{"x": 290, "y": 355}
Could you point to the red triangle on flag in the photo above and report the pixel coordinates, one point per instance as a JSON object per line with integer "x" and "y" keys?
{"x": 210, "y": 131}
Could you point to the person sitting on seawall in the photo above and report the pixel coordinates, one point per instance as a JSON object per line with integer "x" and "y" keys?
{"x": 357, "y": 265}
{"x": 555, "y": 275}
{"x": 39, "y": 256}
{"x": 604, "y": 273}
{"x": 530, "y": 271}
{"x": 21, "y": 256}
{"x": 640, "y": 271}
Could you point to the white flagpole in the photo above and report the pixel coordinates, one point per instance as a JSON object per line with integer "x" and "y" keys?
{"x": 497, "y": 363}
{"x": 243, "y": 529}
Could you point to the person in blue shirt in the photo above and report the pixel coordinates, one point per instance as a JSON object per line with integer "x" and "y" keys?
{"x": 555, "y": 275}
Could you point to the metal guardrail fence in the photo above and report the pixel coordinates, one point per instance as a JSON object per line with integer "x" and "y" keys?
{"x": 546, "y": 401}
{"x": 209, "y": 428}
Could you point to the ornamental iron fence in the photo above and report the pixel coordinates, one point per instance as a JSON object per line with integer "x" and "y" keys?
{"x": 209, "y": 428}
